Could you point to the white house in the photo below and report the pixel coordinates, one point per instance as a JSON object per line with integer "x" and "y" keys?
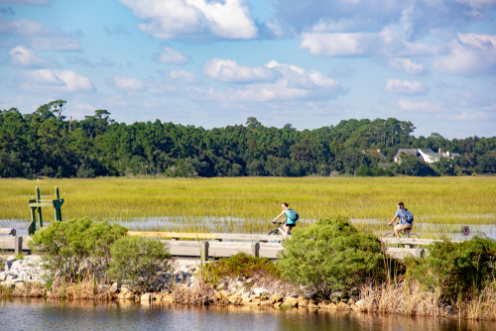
{"x": 427, "y": 155}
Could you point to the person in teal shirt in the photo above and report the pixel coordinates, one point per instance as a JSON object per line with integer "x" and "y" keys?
{"x": 291, "y": 217}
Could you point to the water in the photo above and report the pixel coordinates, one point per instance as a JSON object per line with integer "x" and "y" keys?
{"x": 432, "y": 230}
{"x": 57, "y": 315}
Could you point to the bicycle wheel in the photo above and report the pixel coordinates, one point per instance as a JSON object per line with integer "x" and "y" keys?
{"x": 386, "y": 245}
{"x": 413, "y": 236}
{"x": 272, "y": 233}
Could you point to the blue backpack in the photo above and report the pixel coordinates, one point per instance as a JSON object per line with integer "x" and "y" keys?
{"x": 292, "y": 214}
{"x": 408, "y": 216}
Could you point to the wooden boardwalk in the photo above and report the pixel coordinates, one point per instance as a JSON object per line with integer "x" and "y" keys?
{"x": 214, "y": 245}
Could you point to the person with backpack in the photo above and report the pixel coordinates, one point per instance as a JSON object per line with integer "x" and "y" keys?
{"x": 291, "y": 218}
{"x": 406, "y": 220}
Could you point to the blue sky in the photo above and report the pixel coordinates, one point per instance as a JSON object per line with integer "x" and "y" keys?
{"x": 214, "y": 63}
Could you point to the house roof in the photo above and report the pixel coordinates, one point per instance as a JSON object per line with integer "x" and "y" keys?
{"x": 430, "y": 152}
{"x": 411, "y": 151}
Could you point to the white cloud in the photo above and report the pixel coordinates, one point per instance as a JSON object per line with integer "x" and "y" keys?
{"x": 171, "y": 56}
{"x": 288, "y": 82}
{"x": 388, "y": 43}
{"x": 182, "y": 77}
{"x": 38, "y": 36}
{"x": 400, "y": 64}
{"x": 473, "y": 54}
{"x": 28, "y": 2}
{"x": 23, "y": 57}
{"x": 55, "y": 80}
{"x": 466, "y": 116}
{"x": 169, "y": 19}
{"x": 230, "y": 71}
{"x": 423, "y": 106}
{"x": 126, "y": 83}
{"x": 396, "y": 86}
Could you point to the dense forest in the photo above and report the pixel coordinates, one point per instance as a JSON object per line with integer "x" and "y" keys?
{"x": 45, "y": 143}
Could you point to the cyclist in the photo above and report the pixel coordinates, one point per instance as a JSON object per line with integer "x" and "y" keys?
{"x": 406, "y": 220}
{"x": 291, "y": 217}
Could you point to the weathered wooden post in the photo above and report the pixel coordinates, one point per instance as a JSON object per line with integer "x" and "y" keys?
{"x": 204, "y": 251}
{"x": 18, "y": 245}
{"x": 255, "y": 249}
{"x": 57, "y": 204}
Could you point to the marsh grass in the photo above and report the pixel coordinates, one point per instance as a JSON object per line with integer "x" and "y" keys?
{"x": 408, "y": 298}
{"x": 246, "y": 205}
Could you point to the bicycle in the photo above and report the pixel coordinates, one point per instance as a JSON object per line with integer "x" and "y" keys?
{"x": 402, "y": 235}
{"x": 278, "y": 230}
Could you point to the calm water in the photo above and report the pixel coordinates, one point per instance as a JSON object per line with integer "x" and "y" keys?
{"x": 56, "y": 315}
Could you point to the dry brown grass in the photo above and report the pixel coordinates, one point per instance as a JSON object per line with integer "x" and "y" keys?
{"x": 86, "y": 289}
{"x": 198, "y": 295}
{"x": 409, "y": 299}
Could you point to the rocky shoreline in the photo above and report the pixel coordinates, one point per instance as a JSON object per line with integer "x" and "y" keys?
{"x": 28, "y": 278}
{"x": 18, "y": 275}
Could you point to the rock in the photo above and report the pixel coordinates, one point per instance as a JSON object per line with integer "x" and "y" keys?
{"x": 355, "y": 298}
{"x": 302, "y": 302}
{"x": 354, "y": 291}
{"x": 277, "y": 304}
{"x": 11, "y": 277}
{"x": 276, "y": 297}
{"x": 114, "y": 288}
{"x": 331, "y": 306}
{"x": 19, "y": 285}
{"x": 16, "y": 265}
{"x": 2, "y": 276}
{"x": 255, "y": 302}
{"x": 351, "y": 301}
{"x": 260, "y": 290}
{"x": 342, "y": 305}
{"x": 125, "y": 289}
{"x": 324, "y": 303}
{"x": 234, "y": 299}
{"x": 360, "y": 303}
{"x": 146, "y": 298}
{"x": 8, "y": 264}
{"x": 290, "y": 302}
{"x": 345, "y": 300}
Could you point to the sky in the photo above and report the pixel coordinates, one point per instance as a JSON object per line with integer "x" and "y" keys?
{"x": 213, "y": 63}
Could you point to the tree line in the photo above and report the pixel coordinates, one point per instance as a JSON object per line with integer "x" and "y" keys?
{"x": 45, "y": 143}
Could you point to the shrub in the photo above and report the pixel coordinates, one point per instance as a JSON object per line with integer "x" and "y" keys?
{"x": 332, "y": 254}
{"x": 136, "y": 260}
{"x": 460, "y": 269}
{"x": 67, "y": 244}
{"x": 241, "y": 264}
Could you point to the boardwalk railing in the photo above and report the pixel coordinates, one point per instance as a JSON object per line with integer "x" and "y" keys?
{"x": 208, "y": 236}
{"x": 10, "y": 241}
{"x": 207, "y": 245}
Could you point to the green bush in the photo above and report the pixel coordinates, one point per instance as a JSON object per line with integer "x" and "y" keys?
{"x": 66, "y": 245}
{"x": 241, "y": 264}
{"x": 332, "y": 254}
{"x": 460, "y": 270}
{"x": 137, "y": 260}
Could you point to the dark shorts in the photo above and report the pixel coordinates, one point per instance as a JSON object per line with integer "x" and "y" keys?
{"x": 291, "y": 225}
